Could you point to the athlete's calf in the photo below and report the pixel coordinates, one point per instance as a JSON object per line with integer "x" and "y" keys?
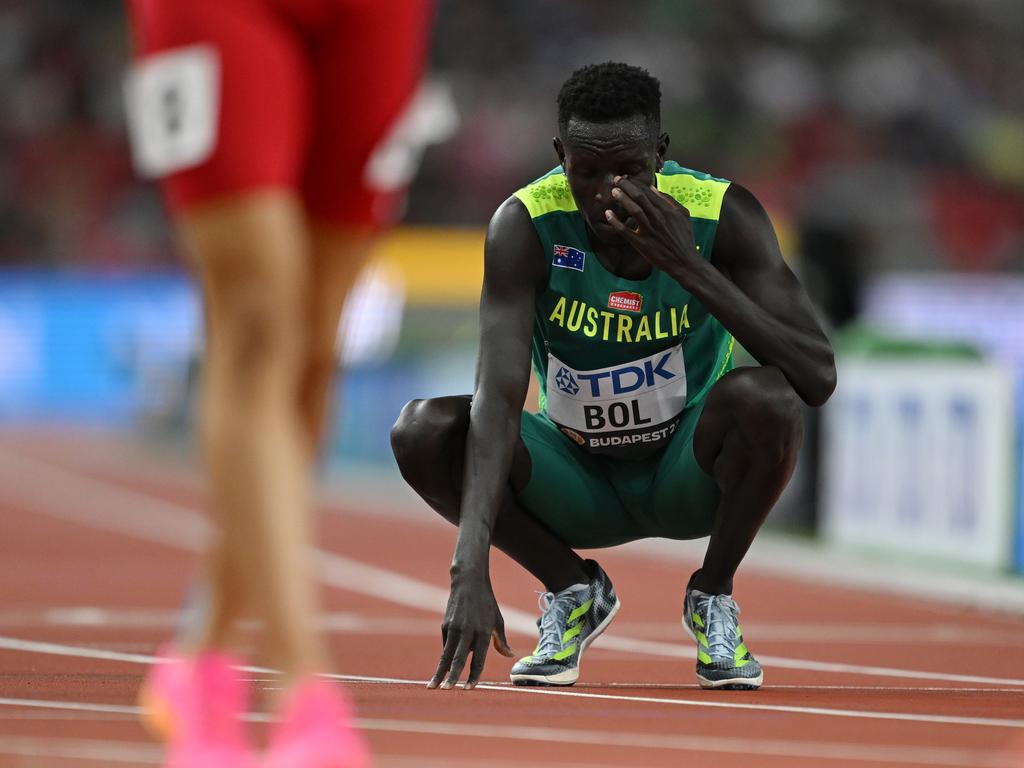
{"x": 747, "y": 439}
{"x": 429, "y": 443}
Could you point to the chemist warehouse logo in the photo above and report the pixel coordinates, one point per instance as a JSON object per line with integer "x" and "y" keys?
{"x": 627, "y": 301}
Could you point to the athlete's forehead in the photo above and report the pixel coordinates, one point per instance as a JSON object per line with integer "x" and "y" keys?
{"x": 629, "y": 135}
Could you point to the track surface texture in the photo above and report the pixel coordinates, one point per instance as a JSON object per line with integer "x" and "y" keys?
{"x": 100, "y": 537}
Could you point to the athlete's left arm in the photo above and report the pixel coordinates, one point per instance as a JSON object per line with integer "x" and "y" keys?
{"x": 761, "y": 302}
{"x": 747, "y": 285}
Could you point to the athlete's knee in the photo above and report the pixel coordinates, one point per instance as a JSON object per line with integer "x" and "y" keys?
{"x": 406, "y": 433}
{"x": 258, "y": 336}
{"x": 766, "y": 410}
{"x": 426, "y": 433}
{"x": 776, "y": 421}
{"x": 320, "y": 367}
{"x": 255, "y": 282}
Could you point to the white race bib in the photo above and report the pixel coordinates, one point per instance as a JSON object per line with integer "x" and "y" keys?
{"x": 172, "y": 101}
{"x": 611, "y": 410}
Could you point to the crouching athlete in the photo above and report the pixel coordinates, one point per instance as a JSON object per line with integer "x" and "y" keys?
{"x": 625, "y": 278}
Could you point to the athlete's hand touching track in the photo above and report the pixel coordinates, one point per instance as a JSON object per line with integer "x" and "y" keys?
{"x": 657, "y": 227}
{"x": 471, "y": 621}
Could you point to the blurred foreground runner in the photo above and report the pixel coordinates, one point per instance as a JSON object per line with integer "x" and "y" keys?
{"x": 276, "y": 128}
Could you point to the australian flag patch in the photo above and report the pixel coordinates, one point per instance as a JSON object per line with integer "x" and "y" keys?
{"x": 568, "y": 258}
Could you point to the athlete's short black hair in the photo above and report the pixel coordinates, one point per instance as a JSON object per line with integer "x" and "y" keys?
{"x": 600, "y": 93}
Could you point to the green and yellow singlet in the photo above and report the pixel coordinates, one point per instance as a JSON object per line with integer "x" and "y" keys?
{"x": 619, "y": 360}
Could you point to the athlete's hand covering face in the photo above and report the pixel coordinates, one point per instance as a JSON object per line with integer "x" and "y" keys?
{"x": 593, "y": 154}
{"x": 471, "y": 621}
{"x": 657, "y": 226}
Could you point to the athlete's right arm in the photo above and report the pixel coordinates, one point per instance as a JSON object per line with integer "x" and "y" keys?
{"x": 513, "y": 270}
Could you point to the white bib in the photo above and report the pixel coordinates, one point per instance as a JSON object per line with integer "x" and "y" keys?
{"x": 172, "y": 100}
{"x": 610, "y": 410}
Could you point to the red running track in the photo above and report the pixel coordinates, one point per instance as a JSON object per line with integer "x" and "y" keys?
{"x": 99, "y": 538}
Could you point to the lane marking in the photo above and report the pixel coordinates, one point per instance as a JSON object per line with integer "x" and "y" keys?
{"x": 371, "y": 491}
{"x": 17, "y": 644}
{"x": 855, "y": 713}
{"x": 57, "y": 649}
{"x": 81, "y": 749}
{"x": 94, "y": 617}
{"x": 350, "y": 622}
{"x": 778, "y": 748}
{"x": 72, "y": 706}
{"x": 62, "y": 494}
{"x": 700, "y": 744}
{"x": 90, "y": 750}
{"x": 847, "y": 634}
{"x": 777, "y": 687}
{"x": 32, "y": 646}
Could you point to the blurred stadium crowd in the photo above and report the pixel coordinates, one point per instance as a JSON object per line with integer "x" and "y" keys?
{"x": 880, "y": 133}
{"x": 886, "y": 138}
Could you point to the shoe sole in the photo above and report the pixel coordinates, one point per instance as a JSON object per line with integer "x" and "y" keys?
{"x": 729, "y": 683}
{"x": 732, "y": 683}
{"x": 570, "y": 676}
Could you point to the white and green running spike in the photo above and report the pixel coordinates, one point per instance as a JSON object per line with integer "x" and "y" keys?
{"x": 723, "y": 660}
{"x": 570, "y": 621}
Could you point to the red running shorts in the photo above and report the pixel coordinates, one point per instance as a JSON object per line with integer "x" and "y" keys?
{"x": 230, "y": 96}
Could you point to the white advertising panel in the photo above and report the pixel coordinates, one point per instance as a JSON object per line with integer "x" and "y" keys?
{"x": 918, "y": 459}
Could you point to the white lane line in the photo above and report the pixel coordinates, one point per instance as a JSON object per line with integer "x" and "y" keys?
{"x": 65, "y": 495}
{"x": 617, "y": 643}
{"x": 449, "y": 761}
{"x": 847, "y": 634}
{"x": 57, "y": 649}
{"x": 683, "y": 650}
{"x": 99, "y": 654}
{"x": 345, "y": 573}
{"x": 16, "y": 644}
{"x": 769, "y": 747}
{"x": 72, "y": 706}
{"x": 372, "y": 492}
{"x": 349, "y": 622}
{"x": 702, "y": 745}
{"x": 88, "y": 750}
{"x": 855, "y": 713}
{"x": 779, "y": 687}
{"x": 161, "y": 620}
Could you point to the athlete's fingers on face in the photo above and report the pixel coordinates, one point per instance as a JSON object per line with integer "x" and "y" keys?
{"x": 628, "y": 186}
{"x": 638, "y": 194}
{"x": 618, "y": 225}
{"x": 446, "y": 659}
{"x": 479, "y": 657}
{"x": 631, "y": 207}
{"x": 458, "y": 662}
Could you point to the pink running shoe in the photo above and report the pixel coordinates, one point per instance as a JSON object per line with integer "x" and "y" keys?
{"x": 194, "y": 705}
{"x": 315, "y": 730}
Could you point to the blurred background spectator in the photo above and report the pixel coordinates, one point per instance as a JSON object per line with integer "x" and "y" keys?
{"x": 881, "y": 134}
{"x": 885, "y": 137}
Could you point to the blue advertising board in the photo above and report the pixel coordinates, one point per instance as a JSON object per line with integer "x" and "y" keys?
{"x": 92, "y": 347}
{"x": 123, "y": 350}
